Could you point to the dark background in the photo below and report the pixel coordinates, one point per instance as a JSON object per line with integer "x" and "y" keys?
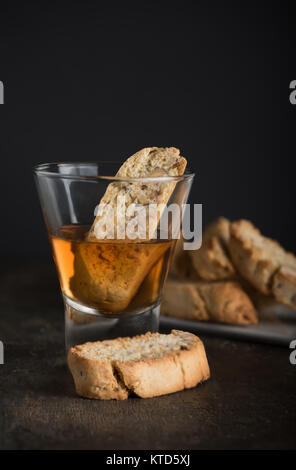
{"x": 94, "y": 81}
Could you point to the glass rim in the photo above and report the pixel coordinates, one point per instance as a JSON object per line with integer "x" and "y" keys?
{"x": 46, "y": 169}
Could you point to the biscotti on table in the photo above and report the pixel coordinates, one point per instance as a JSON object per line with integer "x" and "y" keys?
{"x": 146, "y": 366}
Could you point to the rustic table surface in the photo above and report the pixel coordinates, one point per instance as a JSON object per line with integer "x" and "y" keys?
{"x": 248, "y": 403}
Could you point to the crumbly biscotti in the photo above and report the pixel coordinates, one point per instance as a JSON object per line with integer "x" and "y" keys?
{"x": 284, "y": 286}
{"x": 147, "y": 163}
{"x": 212, "y": 261}
{"x": 223, "y": 301}
{"x": 182, "y": 299}
{"x": 114, "y": 279}
{"x": 147, "y": 366}
{"x": 260, "y": 259}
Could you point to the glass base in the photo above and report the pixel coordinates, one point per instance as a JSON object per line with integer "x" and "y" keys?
{"x": 82, "y": 324}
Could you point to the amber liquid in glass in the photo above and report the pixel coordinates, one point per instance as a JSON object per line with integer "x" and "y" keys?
{"x": 113, "y": 276}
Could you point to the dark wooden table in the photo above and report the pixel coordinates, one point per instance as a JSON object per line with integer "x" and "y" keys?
{"x": 248, "y": 403}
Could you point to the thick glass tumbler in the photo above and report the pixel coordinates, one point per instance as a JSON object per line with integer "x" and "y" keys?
{"x": 111, "y": 283}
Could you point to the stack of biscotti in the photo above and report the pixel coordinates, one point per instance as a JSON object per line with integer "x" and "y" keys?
{"x": 234, "y": 264}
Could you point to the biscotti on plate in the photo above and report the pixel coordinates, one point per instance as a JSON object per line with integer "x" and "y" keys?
{"x": 263, "y": 262}
{"x": 146, "y": 366}
{"x": 223, "y": 301}
{"x": 211, "y": 262}
{"x": 204, "y": 284}
{"x": 235, "y": 269}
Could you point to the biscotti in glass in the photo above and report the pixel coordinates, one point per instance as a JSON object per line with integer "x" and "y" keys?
{"x": 110, "y": 275}
{"x": 112, "y": 286}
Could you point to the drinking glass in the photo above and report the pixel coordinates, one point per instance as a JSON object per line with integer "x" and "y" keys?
{"x": 111, "y": 287}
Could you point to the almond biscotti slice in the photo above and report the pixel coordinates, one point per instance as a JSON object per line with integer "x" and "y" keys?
{"x": 150, "y": 162}
{"x": 147, "y": 366}
{"x": 263, "y": 262}
{"x": 109, "y": 275}
{"x": 211, "y": 262}
{"x": 224, "y": 302}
